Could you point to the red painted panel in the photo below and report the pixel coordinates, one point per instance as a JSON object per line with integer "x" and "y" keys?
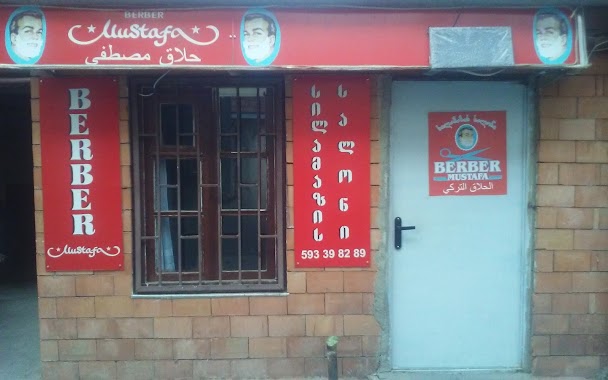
{"x": 277, "y": 37}
{"x": 467, "y": 153}
{"x": 331, "y": 158}
{"x": 81, "y": 185}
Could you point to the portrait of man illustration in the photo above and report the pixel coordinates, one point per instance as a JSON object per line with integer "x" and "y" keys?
{"x": 552, "y": 36}
{"x": 260, "y": 37}
{"x": 25, "y": 35}
{"x": 466, "y": 137}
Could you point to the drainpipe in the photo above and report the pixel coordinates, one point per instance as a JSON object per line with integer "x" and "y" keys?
{"x": 332, "y": 357}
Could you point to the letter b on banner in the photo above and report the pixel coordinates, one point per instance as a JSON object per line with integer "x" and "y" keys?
{"x": 79, "y": 98}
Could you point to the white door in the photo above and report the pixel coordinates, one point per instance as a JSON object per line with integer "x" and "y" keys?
{"x": 457, "y": 285}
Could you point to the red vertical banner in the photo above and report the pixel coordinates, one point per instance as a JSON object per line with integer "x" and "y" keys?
{"x": 467, "y": 153}
{"x": 331, "y": 159}
{"x": 81, "y": 188}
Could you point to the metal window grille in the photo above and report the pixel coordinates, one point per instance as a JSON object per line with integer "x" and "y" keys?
{"x": 209, "y": 164}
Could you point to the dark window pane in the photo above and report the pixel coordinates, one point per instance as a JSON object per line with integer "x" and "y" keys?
{"x": 249, "y": 245}
{"x": 229, "y": 183}
{"x": 249, "y": 176}
{"x": 189, "y": 228}
{"x": 168, "y": 200}
{"x": 249, "y": 170}
{"x": 252, "y": 99}
{"x": 249, "y": 198}
{"x": 189, "y": 184}
{"x": 230, "y": 258}
{"x": 189, "y": 254}
{"x": 177, "y": 119}
{"x": 249, "y": 122}
{"x": 249, "y": 242}
{"x": 262, "y": 99}
{"x": 227, "y": 109}
{"x": 229, "y": 144}
{"x": 262, "y": 111}
{"x": 186, "y": 124}
{"x": 230, "y": 225}
{"x": 252, "y": 118}
{"x": 249, "y": 132}
{"x": 268, "y": 250}
{"x": 168, "y": 124}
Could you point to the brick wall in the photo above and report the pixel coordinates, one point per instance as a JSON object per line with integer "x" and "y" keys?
{"x": 91, "y": 326}
{"x": 570, "y": 302}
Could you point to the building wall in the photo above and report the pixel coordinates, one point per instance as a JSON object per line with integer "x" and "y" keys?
{"x": 570, "y": 301}
{"x": 91, "y": 325}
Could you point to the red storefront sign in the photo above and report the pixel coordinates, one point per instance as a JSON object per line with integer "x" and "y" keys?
{"x": 467, "y": 153}
{"x": 331, "y": 162}
{"x": 283, "y": 37}
{"x": 81, "y": 186}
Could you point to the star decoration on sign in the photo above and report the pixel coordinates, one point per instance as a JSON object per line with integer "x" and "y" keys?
{"x": 195, "y": 30}
{"x": 91, "y": 29}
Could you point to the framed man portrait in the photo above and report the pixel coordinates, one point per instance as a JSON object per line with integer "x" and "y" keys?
{"x": 260, "y": 37}
{"x": 552, "y": 36}
{"x": 25, "y": 35}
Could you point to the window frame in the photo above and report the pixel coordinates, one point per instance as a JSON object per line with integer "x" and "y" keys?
{"x": 139, "y": 86}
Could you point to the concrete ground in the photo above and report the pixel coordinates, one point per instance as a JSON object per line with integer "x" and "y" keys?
{"x": 19, "y": 332}
{"x": 464, "y": 375}
{"x": 20, "y": 349}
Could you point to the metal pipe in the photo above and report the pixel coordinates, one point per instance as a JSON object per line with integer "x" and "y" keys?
{"x": 332, "y": 357}
{"x": 14, "y": 80}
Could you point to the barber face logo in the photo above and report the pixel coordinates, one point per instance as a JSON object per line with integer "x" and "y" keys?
{"x": 25, "y": 35}
{"x": 552, "y": 36}
{"x": 466, "y": 137}
{"x": 260, "y": 37}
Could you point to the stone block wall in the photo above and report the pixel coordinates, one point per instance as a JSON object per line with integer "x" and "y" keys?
{"x": 91, "y": 326}
{"x": 570, "y": 301}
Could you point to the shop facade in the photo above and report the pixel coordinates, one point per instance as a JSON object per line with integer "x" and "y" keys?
{"x": 215, "y": 196}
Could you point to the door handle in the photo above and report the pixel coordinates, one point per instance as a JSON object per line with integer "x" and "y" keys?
{"x": 398, "y": 229}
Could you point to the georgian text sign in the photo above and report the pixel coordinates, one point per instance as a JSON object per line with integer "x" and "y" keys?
{"x": 331, "y": 145}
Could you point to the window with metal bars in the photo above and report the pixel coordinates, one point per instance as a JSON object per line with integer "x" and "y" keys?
{"x": 209, "y": 164}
